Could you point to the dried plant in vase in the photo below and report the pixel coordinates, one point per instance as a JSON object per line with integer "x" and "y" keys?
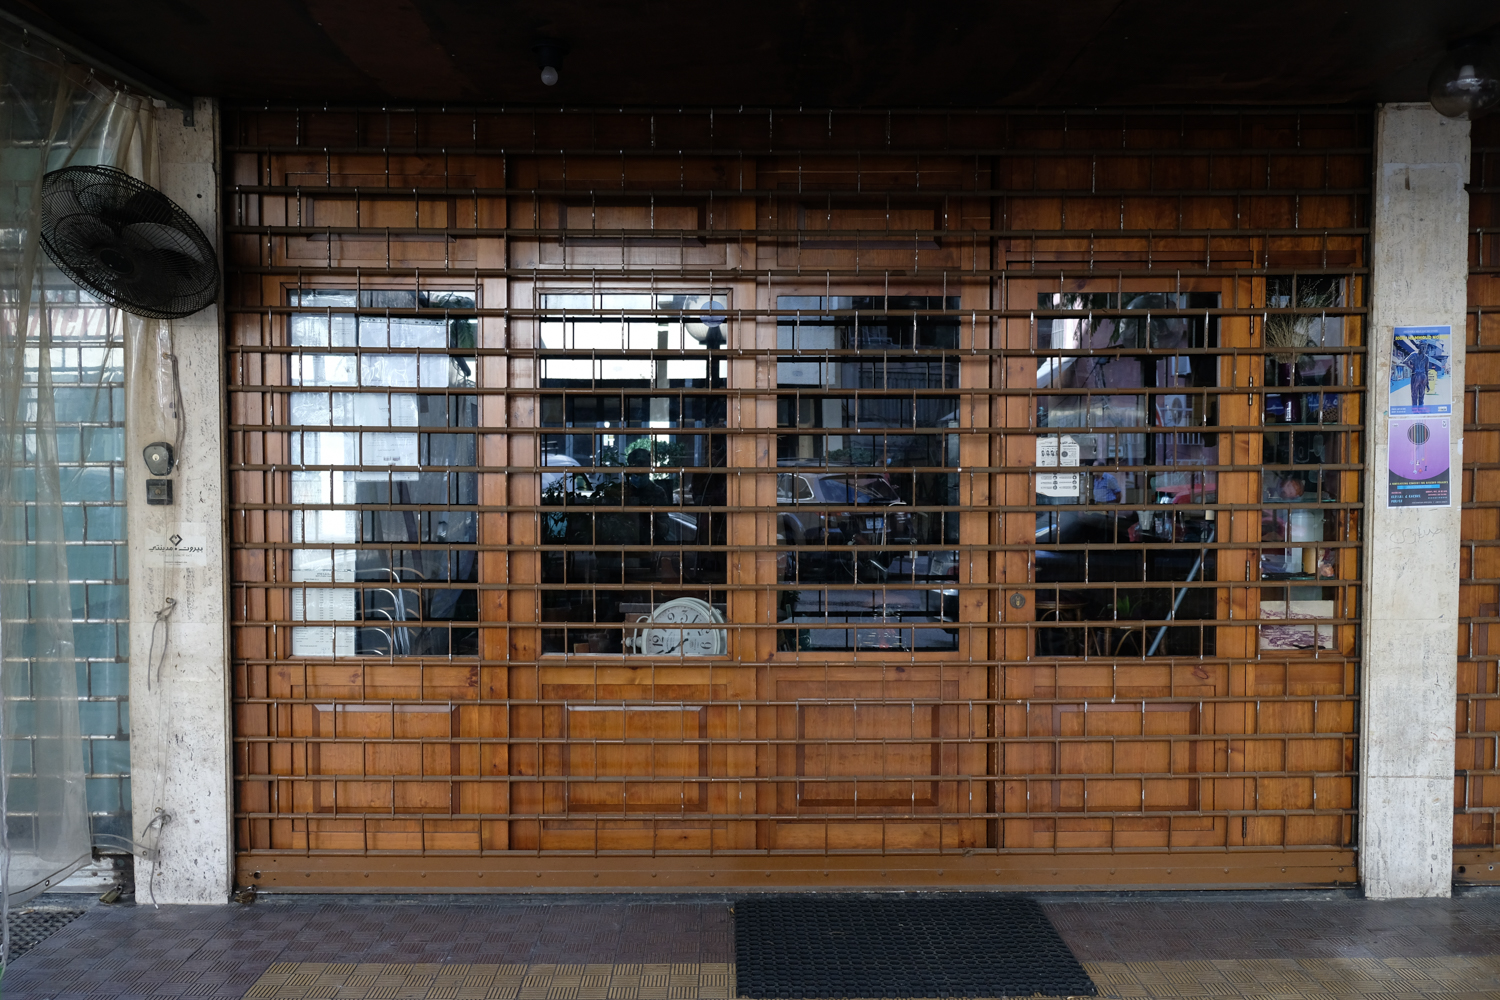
{"x": 1285, "y": 332}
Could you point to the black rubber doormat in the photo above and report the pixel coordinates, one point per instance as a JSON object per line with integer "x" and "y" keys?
{"x": 29, "y": 927}
{"x": 989, "y": 945}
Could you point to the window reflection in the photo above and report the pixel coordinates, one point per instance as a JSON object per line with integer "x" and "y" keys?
{"x": 411, "y": 452}
{"x": 864, "y": 486}
{"x": 1124, "y": 455}
{"x": 687, "y": 329}
{"x": 630, "y": 469}
{"x": 1301, "y": 442}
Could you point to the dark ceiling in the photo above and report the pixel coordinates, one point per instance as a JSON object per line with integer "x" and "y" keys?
{"x": 783, "y": 52}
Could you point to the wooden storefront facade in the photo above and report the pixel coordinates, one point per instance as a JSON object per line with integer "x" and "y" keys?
{"x": 726, "y": 499}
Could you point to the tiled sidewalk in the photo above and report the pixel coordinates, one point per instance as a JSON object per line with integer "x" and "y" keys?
{"x": 1449, "y": 978}
{"x": 637, "y": 948}
{"x": 708, "y": 981}
{"x": 140, "y": 952}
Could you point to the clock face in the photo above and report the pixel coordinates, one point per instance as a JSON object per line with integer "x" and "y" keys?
{"x": 678, "y": 639}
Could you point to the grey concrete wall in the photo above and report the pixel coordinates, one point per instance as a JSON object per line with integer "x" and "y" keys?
{"x": 179, "y": 669}
{"x": 1419, "y": 276}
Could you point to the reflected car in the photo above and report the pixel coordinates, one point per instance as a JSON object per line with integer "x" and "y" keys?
{"x": 840, "y": 527}
{"x": 871, "y": 522}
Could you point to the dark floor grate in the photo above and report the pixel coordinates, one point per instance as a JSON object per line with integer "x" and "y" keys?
{"x": 881, "y": 946}
{"x": 29, "y": 928}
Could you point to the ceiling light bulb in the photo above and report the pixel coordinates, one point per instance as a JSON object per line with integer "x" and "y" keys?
{"x": 1465, "y": 84}
{"x": 549, "y": 75}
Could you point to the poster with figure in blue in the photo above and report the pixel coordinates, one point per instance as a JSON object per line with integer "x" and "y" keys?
{"x": 1422, "y": 371}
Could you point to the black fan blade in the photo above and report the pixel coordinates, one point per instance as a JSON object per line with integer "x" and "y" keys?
{"x": 127, "y": 242}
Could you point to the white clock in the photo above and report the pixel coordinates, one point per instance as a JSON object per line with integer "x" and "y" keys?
{"x": 679, "y": 639}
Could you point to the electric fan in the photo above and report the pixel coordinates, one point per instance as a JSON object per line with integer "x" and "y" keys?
{"x": 127, "y": 242}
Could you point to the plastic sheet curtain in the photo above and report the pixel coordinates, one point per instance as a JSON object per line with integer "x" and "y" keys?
{"x": 52, "y": 337}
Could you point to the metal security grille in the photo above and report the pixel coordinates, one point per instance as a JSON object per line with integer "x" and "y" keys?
{"x": 1476, "y": 791}
{"x": 838, "y": 498}
{"x": 85, "y": 381}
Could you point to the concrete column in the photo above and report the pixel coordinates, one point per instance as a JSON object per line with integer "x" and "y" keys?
{"x": 1419, "y": 276}
{"x": 179, "y": 668}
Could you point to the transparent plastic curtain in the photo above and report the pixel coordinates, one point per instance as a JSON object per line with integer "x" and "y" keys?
{"x": 52, "y": 114}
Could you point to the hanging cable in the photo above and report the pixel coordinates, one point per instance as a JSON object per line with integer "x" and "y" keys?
{"x": 170, "y": 369}
{"x": 164, "y": 622}
{"x": 160, "y": 817}
{"x": 159, "y": 820}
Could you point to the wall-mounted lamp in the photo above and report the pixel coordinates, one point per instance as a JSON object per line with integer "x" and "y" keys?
{"x": 1465, "y": 83}
{"x": 549, "y": 53}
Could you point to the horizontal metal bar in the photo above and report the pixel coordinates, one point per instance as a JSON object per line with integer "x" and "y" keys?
{"x": 786, "y": 549}
{"x": 789, "y": 660}
{"x": 1079, "y": 117}
{"x": 813, "y": 813}
{"x": 1340, "y": 391}
{"x": 537, "y": 546}
{"x": 799, "y": 235}
{"x": 1183, "y": 857}
{"x": 811, "y": 317}
{"x": 935, "y": 273}
{"x": 1180, "y": 701}
{"x": 929, "y": 196}
{"x": 1040, "y": 739}
{"x": 781, "y": 778}
{"x": 833, "y": 622}
{"x": 1186, "y": 858}
{"x": 740, "y": 471}
{"x": 743, "y": 148}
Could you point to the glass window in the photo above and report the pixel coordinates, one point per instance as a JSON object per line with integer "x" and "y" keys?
{"x": 633, "y": 487}
{"x": 685, "y": 329}
{"x": 1302, "y": 447}
{"x": 1126, "y": 457}
{"x": 868, "y": 518}
{"x": 387, "y": 513}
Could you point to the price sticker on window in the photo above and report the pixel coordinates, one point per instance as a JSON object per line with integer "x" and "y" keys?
{"x": 1054, "y": 452}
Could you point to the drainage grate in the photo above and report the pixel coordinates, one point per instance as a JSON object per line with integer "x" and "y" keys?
{"x": 877, "y": 946}
{"x": 29, "y": 928}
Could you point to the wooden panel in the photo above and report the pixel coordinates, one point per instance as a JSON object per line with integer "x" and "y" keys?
{"x": 972, "y": 870}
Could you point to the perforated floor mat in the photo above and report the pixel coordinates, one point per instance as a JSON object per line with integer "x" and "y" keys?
{"x": 990, "y": 945}
{"x": 29, "y": 928}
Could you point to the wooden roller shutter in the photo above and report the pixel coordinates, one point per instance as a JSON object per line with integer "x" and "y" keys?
{"x": 706, "y": 499}
{"x": 1476, "y": 783}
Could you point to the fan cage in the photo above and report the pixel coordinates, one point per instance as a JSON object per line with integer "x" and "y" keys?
{"x": 128, "y": 243}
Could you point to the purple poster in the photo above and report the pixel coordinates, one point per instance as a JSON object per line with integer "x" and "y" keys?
{"x": 1418, "y": 452}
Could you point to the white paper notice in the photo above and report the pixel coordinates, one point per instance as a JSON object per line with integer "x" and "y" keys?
{"x": 323, "y": 565}
{"x": 1054, "y": 452}
{"x": 325, "y": 525}
{"x": 319, "y": 604}
{"x": 180, "y": 545}
{"x": 388, "y": 448}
